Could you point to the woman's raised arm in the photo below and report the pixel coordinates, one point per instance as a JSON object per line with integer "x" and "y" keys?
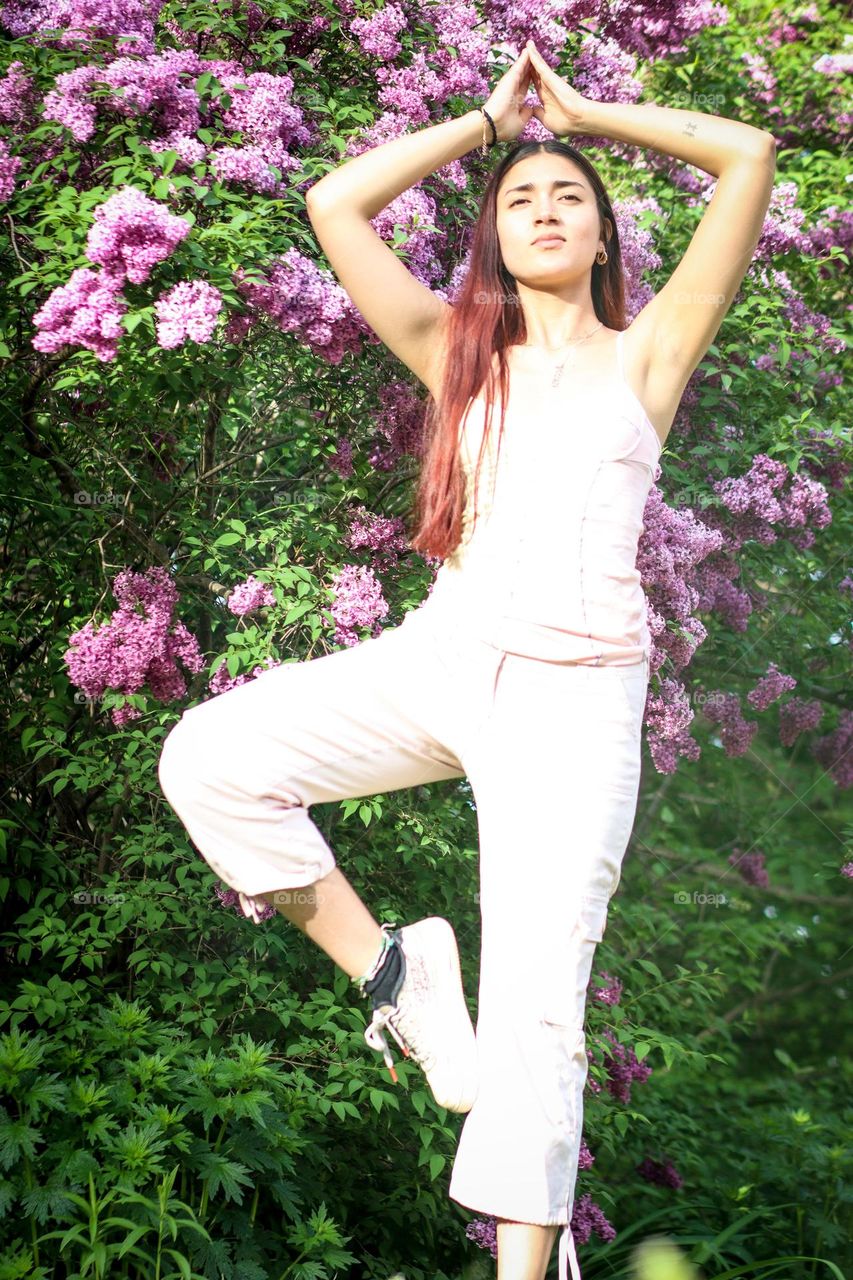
{"x": 406, "y": 315}
{"x": 684, "y": 315}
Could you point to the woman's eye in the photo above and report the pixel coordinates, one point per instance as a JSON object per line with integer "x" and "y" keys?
{"x": 520, "y": 200}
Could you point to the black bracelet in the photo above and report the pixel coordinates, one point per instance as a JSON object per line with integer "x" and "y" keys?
{"x": 485, "y": 144}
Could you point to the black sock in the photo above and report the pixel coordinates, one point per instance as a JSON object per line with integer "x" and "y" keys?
{"x": 383, "y": 989}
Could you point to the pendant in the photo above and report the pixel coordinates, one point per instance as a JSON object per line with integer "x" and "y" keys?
{"x": 558, "y": 373}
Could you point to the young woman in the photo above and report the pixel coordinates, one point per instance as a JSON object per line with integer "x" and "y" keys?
{"x": 527, "y": 667}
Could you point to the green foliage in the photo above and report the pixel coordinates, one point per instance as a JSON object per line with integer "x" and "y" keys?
{"x": 184, "y": 1094}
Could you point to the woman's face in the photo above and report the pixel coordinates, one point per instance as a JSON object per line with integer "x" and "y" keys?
{"x": 567, "y": 211}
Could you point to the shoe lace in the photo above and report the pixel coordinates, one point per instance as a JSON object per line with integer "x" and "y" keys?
{"x": 392, "y": 1018}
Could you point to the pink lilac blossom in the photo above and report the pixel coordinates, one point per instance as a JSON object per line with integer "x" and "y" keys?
{"x": 847, "y": 870}
{"x": 770, "y": 687}
{"x": 390, "y": 125}
{"x": 262, "y": 111}
{"x": 460, "y": 63}
{"x": 251, "y": 166}
{"x": 833, "y": 227}
{"x": 672, "y": 547}
{"x": 833, "y": 64}
{"x": 270, "y": 125}
{"x": 163, "y": 88}
{"x": 663, "y": 1174}
{"x": 131, "y": 234}
{"x": 86, "y": 312}
{"x": 667, "y": 718}
{"x": 17, "y": 96}
{"x": 410, "y": 88}
{"x": 167, "y": 88}
{"x": 670, "y": 552}
{"x": 795, "y": 311}
{"x": 231, "y": 898}
{"x": 835, "y": 751}
{"x": 414, "y": 211}
{"x": 341, "y": 460}
{"x": 585, "y": 1157}
{"x": 399, "y": 426}
{"x": 250, "y": 595}
{"x": 639, "y": 255}
{"x": 9, "y": 166}
{"x": 358, "y": 603}
{"x": 304, "y": 299}
{"x": 611, "y": 993}
{"x": 459, "y": 26}
{"x": 547, "y": 25}
{"x": 761, "y": 76}
{"x": 753, "y": 501}
{"x": 189, "y": 310}
{"x": 378, "y": 34}
{"x": 68, "y": 102}
{"x": 603, "y": 71}
{"x": 796, "y": 716}
{"x": 724, "y": 710}
{"x": 587, "y": 1217}
{"x": 787, "y": 30}
{"x": 385, "y": 536}
{"x": 221, "y": 681}
{"x": 483, "y": 1232}
{"x": 160, "y": 87}
{"x": 751, "y": 867}
{"x": 85, "y": 24}
{"x": 303, "y": 42}
{"x": 719, "y": 593}
{"x": 659, "y": 29}
{"x": 238, "y": 327}
{"x": 782, "y": 230}
{"x": 139, "y": 644}
{"x": 623, "y": 1069}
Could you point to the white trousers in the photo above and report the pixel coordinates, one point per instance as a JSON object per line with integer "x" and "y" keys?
{"x": 552, "y": 754}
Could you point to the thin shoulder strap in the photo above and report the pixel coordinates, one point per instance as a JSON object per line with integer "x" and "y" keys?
{"x": 620, "y": 352}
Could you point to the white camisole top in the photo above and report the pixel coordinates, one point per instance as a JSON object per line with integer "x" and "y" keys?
{"x": 548, "y": 568}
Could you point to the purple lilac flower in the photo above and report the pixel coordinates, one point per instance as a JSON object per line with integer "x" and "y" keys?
{"x": 139, "y": 644}
{"x": 250, "y": 595}
{"x": 189, "y": 310}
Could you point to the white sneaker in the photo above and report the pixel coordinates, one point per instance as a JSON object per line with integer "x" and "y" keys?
{"x": 427, "y": 1014}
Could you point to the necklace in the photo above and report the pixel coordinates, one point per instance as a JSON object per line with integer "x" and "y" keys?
{"x": 558, "y": 372}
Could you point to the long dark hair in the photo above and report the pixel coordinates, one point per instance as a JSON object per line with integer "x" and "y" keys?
{"x": 487, "y": 318}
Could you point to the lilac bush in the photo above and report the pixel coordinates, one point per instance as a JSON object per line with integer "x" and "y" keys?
{"x": 206, "y": 470}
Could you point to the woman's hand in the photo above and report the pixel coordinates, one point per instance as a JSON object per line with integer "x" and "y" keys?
{"x": 504, "y": 104}
{"x": 562, "y": 108}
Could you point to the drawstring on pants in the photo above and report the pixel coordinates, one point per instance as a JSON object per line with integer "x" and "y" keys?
{"x": 568, "y": 1256}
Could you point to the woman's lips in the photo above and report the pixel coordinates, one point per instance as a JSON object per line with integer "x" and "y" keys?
{"x": 549, "y": 243}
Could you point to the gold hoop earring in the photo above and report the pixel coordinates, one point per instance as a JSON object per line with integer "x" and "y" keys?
{"x": 601, "y": 261}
